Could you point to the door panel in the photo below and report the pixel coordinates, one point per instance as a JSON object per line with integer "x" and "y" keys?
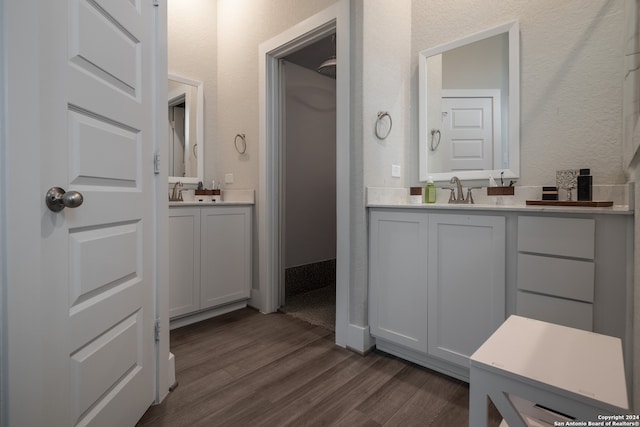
{"x": 225, "y": 269}
{"x": 398, "y": 278}
{"x": 101, "y": 150}
{"x": 466, "y": 283}
{"x": 92, "y": 28}
{"x": 94, "y": 366}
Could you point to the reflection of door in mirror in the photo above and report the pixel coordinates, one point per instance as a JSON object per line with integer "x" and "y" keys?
{"x": 185, "y": 130}
{"x": 177, "y": 141}
{"x": 469, "y": 127}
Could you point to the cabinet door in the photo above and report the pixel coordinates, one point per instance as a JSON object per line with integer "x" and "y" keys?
{"x": 397, "y": 279}
{"x": 184, "y": 260}
{"x": 466, "y": 281}
{"x": 226, "y": 255}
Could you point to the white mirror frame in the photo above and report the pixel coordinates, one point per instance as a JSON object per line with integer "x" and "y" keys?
{"x": 199, "y": 137}
{"x": 513, "y": 29}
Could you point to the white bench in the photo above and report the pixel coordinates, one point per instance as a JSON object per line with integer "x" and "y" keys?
{"x": 567, "y": 370}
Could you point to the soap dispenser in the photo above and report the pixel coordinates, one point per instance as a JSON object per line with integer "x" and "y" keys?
{"x": 430, "y": 191}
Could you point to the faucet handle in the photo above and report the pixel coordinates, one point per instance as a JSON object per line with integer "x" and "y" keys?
{"x": 452, "y": 196}
{"x": 470, "y": 195}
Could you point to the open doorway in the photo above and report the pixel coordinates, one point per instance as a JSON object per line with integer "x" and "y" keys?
{"x": 309, "y": 184}
{"x": 268, "y": 296}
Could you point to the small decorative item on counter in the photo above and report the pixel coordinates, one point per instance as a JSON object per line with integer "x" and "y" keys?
{"x": 216, "y": 195}
{"x": 567, "y": 180}
{"x": 585, "y": 181}
{"x": 502, "y": 190}
{"x": 415, "y": 195}
{"x": 549, "y": 193}
{"x": 430, "y": 191}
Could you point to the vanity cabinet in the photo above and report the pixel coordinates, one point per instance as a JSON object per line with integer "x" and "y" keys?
{"x": 210, "y": 258}
{"x": 437, "y": 285}
{"x": 443, "y": 279}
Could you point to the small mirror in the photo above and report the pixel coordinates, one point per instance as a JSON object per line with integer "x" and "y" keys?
{"x": 186, "y": 103}
{"x": 469, "y": 107}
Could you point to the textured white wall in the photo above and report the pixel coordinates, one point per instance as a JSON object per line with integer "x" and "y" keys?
{"x": 242, "y": 26}
{"x": 192, "y": 53}
{"x": 386, "y": 78}
{"x": 571, "y": 61}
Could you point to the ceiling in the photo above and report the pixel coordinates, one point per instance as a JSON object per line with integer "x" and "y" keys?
{"x": 315, "y": 54}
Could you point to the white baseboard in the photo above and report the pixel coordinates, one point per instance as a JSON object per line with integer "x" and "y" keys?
{"x": 207, "y": 314}
{"x": 172, "y": 371}
{"x": 359, "y": 339}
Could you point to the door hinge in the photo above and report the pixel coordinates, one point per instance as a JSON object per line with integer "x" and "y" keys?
{"x": 155, "y": 3}
{"x": 156, "y": 330}
{"x": 156, "y": 164}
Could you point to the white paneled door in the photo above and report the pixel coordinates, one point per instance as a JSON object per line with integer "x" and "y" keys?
{"x": 467, "y": 133}
{"x": 94, "y": 315}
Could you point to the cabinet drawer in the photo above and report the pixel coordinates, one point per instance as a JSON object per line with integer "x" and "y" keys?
{"x": 556, "y": 276}
{"x": 571, "y": 237}
{"x": 555, "y": 310}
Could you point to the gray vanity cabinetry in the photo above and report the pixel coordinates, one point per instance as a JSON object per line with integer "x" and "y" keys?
{"x": 442, "y": 279}
{"x": 577, "y": 270}
{"x": 398, "y": 278}
{"x": 437, "y": 285}
{"x": 184, "y": 261}
{"x": 556, "y": 270}
{"x": 210, "y": 260}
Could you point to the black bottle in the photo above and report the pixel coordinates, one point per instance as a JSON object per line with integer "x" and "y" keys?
{"x": 584, "y": 185}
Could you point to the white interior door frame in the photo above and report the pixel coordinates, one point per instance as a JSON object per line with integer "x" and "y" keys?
{"x": 270, "y": 209}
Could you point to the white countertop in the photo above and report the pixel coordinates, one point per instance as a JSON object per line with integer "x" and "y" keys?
{"x": 620, "y": 210}
{"x": 183, "y": 204}
{"x": 229, "y": 198}
{"x": 621, "y": 195}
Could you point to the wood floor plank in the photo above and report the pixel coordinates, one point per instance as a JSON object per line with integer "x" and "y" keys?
{"x": 426, "y": 403}
{"x": 355, "y": 418}
{"x": 274, "y": 380}
{"x": 249, "y": 369}
{"x": 395, "y": 393}
{"x": 361, "y": 386}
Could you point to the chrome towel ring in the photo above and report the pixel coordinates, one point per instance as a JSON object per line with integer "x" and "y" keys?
{"x": 435, "y": 132}
{"x": 241, "y": 146}
{"x": 379, "y": 122}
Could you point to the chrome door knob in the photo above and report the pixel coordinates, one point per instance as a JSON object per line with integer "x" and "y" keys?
{"x": 58, "y": 199}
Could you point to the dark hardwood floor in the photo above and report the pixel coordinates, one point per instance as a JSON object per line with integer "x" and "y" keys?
{"x": 250, "y": 369}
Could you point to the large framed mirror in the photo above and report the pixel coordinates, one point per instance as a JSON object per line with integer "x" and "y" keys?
{"x": 469, "y": 106}
{"x": 186, "y": 103}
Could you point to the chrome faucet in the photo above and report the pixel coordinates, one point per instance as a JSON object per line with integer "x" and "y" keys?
{"x": 460, "y": 197}
{"x": 176, "y": 196}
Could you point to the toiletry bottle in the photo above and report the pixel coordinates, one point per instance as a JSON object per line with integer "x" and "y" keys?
{"x": 430, "y": 191}
{"x": 415, "y": 195}
{"x": 584, "y": 185}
